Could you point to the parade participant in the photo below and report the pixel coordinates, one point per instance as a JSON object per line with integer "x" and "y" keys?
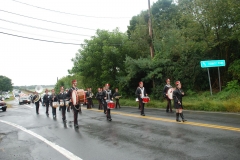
{"x": 36, "y": 100}
{"x": 140, "y": 93}
{"x": 165, "y": 95}
{"x": 116, "y": 95}
{"x": 76, "y": 108}
{"x": 68, "y": 107}
{"x": 62, "y": 97}
{"x": 46, "y": 101}
{"x": 107, "y": 97}
{"x": 99, "y": 97}
{"x": 104, "y": 102}
{"x": 53, "y": 98}
{"x": 89, "y": 96}
{"x": 177, "y": 97}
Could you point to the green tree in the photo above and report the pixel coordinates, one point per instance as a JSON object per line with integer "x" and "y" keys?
{"x": 5, "y": 83}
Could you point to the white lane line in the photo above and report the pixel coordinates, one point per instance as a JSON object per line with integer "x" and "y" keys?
{"x": 28, "y": 106}
{"x": 61, "y": 150}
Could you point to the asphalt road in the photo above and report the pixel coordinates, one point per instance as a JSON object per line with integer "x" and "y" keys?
{"x": 157, "y": 136}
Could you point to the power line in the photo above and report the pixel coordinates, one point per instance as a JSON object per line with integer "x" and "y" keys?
{"x": 37, "y": 34}
{"x": 44, "y": 28}
{"x": 114, "y": 44}
{"x": 67, "y": 12}
{"x": 47, "y": 20}
{"x": 40, "y": 39}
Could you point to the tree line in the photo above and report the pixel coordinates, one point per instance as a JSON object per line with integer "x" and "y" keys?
{"x": 184, "y": 33}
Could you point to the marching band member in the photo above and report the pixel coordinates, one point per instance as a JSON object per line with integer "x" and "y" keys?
{"x": 140, "y": 93}
{"x": 165, "y": 90}
{"x": 117, "y": 98}
{"x": 89, "y": 96}
{"x": 36, "y": 100}
{"x": 46, "y": 101}
{"x": 53, "y": 98}
{"x": 62, "y": 97}
{"x": 99, "y": 97}
{"x": 68, "y": 108}
{"x": 76, "y": 108}
{"x": 107, "y": 97}
{"x": 177, "y": 97}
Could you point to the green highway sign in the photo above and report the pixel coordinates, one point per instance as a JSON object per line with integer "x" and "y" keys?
{"x": 212, "y": 63}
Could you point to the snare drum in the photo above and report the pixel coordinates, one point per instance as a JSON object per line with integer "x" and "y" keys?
{"x": 145, "y": 99}
{"x": 55, "y": 104}
{"x": 111, "y": 105}
{"x": 61, "y": 103}
{"x": 66, "y": 103}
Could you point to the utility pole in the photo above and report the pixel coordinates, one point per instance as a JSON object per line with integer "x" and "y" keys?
{"x": 151, "y": 37}
{"x": 150, "y": 30}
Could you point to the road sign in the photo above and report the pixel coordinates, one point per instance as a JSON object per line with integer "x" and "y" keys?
{"x": 212, "y": 63}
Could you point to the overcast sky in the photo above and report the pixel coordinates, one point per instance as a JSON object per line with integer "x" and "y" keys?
{"x": 31, "y": 62}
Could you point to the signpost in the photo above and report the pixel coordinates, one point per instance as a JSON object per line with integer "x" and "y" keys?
{"x": 213, "y": 63}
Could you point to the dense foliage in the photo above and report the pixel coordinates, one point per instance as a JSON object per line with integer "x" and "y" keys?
{"x": 5, "y": 84}
{"x": 184, "y": 33}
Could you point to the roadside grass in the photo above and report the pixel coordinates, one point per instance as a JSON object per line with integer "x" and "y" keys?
{"x": 218, "y": 102}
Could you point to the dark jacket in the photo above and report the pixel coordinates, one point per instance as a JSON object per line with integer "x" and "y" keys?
{"x": 62, "y": 97}
{"x": 46, "y": 98}
{"x": 165, "y": 89}
{"x": 116, "y": 94}
{"x": 107, "y": 94}
{"x": 53, "y": 98}
{"x": 34, "y": 97}
{"x": 138, "y": 92}
{"x": 177, "y": 97}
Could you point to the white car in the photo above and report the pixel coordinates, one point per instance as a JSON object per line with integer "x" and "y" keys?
{"x": 24, "y": 99}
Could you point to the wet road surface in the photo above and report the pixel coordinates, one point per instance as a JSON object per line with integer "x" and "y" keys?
{"x": 157, "y": 136}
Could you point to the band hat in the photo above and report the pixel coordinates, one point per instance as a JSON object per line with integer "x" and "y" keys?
{"x": 74, "y": 81}
{"x": 177, "y": 83}
{"x": 107, "y": 84}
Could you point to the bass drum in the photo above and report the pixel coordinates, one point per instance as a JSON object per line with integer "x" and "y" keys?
{"x": 170, "y": 93}
{"x": 78, "y": 96}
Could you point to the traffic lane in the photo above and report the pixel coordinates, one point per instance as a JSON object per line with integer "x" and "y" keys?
{"x": 218, "y": 118}
{"x": 16, "y": 144}
{"x": 76, "y": 141}
{"x": 164, "y": 140}
{"x": 134, "y": 138}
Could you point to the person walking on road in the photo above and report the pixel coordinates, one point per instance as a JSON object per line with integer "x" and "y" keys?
{"x": 177, "y": 97}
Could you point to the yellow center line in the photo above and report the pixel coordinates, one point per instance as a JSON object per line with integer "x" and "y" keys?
{"x": 174, "y": 121}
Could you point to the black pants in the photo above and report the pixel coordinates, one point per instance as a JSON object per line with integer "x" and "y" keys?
{"x": 117, "y": 103}
{"x": 54, "y": 111}
{"x": 90, "y": 103}
{"x": 64, "y": 112}
{"x": 76, "y": 109}
{"x": 100, "y": 104}
{"x": 37, "y": 107}
{"x": 141, "y": 105}
{"x": 105, "y": 106}
{"x": 169, "y": 105}
{"x": 47, "y": 107}
{"x": 108, "y": 113}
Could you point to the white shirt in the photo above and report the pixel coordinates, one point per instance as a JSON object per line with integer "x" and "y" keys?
{"x": 142, "y": 92}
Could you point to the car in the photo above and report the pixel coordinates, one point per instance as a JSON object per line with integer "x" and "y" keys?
{"x": 24, "y": 99}
{"x": 3, "y": 105}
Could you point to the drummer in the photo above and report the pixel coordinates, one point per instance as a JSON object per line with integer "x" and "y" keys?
{"x": 62, "y": 97}
{"x": 165, "y": 95}
{"x": 107, "y": 94}
{"x": 140, "y": 93}
{"x": 76, "y": 108}
{"x": 116, "y": 95}
{"x": 53, "y": 98}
